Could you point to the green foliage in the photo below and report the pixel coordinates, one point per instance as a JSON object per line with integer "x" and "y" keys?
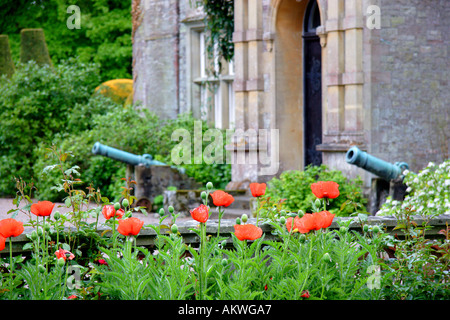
{"x": 295, "y": 187}
{"x": 428, "y": 192}
{"x": 33, "y": 47}
{"x": 41, "y": 106}
{"x": 281, "y": 265}
{"x": 35, "y": 105}
{"x": 104, "y": 37}
{"x": 420, "y": 267}
{"x": 6, "y": 62}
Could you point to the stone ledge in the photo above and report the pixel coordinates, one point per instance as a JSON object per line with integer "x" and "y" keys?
{"x": 147, "y": 235}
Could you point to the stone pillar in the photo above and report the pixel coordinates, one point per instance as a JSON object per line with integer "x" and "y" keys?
{"x": 353, "y": 78}
{"x": 343, "y": 82}
{"x": 249, "y": 88}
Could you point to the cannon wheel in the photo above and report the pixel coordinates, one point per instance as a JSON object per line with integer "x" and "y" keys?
{"x": 144, "y": 202}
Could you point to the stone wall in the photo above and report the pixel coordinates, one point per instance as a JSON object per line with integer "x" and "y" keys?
{"x": 156, "y": 56}
{"x": 410, "y": 113}
{"x": 161, "y": 57}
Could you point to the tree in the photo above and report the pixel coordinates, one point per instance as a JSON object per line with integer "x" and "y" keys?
{"x": 104, "y": 36}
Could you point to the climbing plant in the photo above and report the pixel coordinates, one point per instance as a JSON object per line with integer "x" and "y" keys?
{"x": 219, "y": 24}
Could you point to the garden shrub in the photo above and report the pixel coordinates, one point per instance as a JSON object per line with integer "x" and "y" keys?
{"x": 117, "y": 89}
{"x": 35, "y": 104}
{"x": 41, "y": 107}
{"x": 295, "y": 187}
{"x": 428, "y": 192}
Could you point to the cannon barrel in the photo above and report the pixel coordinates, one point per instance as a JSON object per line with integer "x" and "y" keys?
{"x": 381, "y": 168}
{"x": 123, "y": 156}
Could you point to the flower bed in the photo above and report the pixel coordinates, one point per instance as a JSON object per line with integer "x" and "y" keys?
{"x": 289, "y": 256}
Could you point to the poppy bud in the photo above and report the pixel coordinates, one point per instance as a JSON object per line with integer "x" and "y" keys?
{"x": 57, "y": 215}
{"x": 40, "y": 232}
{"x": 125, "y": 203}
{"x": 300, "y": 213}
{"x": 46, "y": 227}
{"x": 204, "y": 195}
{"x": 61, "y": 262}
{"x": 244, "y": 218}
{"x": 318, "y": 203}
{"x": 343, "y": 229}
{"x": 366, "y": 228}
{"x": 326, "y": 257}
{"x": 302, "y": 238}
{"x": 171, "y": 209}
{"x": 283, "y": 220}
{"x": 117, "y": 206}
{"x": 238, "y": 220}
{"x": 161, "y": 212}
{"x": 41, "y": 268}
{"x": 224, "y": 262}
{"x": 174, "y": 228}
{"x": 376, "y": 229}
{"x": 209, "y": 186}
{"x": 34, "y": 235}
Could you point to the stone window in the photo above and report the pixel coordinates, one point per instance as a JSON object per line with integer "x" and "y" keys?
{"x": 211, "y": 97}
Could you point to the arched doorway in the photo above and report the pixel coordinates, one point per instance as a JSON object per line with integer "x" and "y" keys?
{"x": 312, "y": 85}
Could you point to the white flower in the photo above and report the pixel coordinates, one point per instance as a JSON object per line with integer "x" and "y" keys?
{"x": 447, "y": 182}
{"x": 416, "y": 180}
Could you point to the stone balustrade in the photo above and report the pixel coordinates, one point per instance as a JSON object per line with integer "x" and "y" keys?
{"x": 147, "y": 235}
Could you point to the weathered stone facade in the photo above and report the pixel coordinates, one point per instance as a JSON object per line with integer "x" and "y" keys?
{"x": 384, "y": 89}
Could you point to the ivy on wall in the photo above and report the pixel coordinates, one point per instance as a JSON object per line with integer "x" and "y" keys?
{"x": 219, "y": 23}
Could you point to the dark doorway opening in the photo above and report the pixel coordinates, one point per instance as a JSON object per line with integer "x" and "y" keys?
{"x": 312, "y": 90}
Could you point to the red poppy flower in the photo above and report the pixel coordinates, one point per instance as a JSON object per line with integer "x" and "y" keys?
{"x": 10, "y": 228}
{"x": 247, "y": 232}
{"x": 109, "y": 212}
{"x": 221, "y": 198}
{"x": 257, "y": 189}
{"x": 303, "y": 225}
{"x": 305, "y": 294}
{"x": 325, "y": 189}
{"x": 61, "y": 253}
{"x": 72, "y": 297}
{"x": 42, "y": 208}
{"x": 323, "y": 219}
{"x": 130, "y": 226}
{"x": 200, "y": 214}
{"x": 102, "y": 261}
{"x": 2, "y": 243}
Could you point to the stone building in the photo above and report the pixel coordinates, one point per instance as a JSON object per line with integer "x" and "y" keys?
{"x": 327, "y": 74}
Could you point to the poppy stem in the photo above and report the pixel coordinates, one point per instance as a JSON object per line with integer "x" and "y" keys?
{"x": 221, "y": 212}
{"x": 11, "y": 264}
{"x": 202, "y": 263}
{"x": 114, "y": 232}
